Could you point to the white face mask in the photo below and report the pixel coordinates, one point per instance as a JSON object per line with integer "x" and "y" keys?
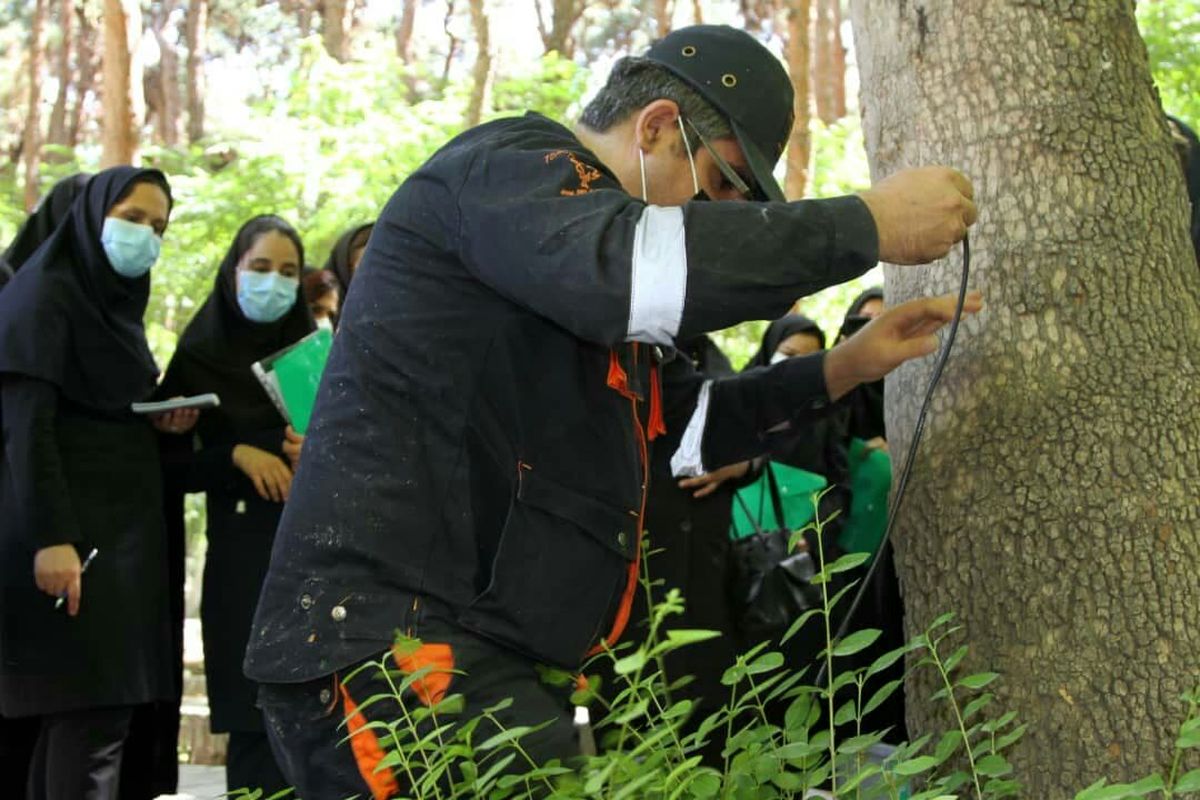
{"x": 325, "y": 323}
{"x": 779, "y": 356}
{"x": 691, "y": 162}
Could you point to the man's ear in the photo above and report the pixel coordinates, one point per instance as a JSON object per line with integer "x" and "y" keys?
{"x": 655, "y": 124}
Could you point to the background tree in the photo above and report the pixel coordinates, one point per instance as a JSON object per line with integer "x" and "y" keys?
{"x": 196, "y": 32}
{"x": 33, "y": 128}
{"x": 57, "y": 132}
{"x": 124, "y": 104}
{"x": 1053, "y": 504}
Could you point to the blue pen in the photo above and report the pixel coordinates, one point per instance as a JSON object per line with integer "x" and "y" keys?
{"x": 86, "y": 563}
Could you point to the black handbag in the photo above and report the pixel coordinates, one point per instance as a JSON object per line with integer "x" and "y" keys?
{"x": 770, "y": 586}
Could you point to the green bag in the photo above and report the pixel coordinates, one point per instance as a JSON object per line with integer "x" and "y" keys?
{"x": 870, "y": 485}
{"x": 292, "y": 375}
{"x": 796, "y": 489}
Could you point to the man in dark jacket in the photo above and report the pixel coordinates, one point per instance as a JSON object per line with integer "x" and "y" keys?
{"x": 476, "y": 472}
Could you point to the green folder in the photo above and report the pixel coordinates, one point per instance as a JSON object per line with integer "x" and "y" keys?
{"x": 796, "y": 490}
{"x": 292, "y": 375}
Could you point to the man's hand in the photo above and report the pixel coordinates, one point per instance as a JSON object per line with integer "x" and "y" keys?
{"x": 292, "y": 444}
{"x": 56, "y": 570}
{"x": 708, "y": 483}
{"x": 920, "y": 213}
{"x": 898, "y": 334}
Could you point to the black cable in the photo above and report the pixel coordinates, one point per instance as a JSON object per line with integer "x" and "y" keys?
{"x": 902, "y": 485}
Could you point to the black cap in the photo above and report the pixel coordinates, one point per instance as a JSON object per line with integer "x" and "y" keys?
{"x": 744, "y": 81}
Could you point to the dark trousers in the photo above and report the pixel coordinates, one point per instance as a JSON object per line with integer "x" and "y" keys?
{"x": 150, "y": 763}
{"x": 17, "y": 737}
{"x": 250, "y": 764}
{"x": 303, "y": 719}
{"x": 78, "y": 755}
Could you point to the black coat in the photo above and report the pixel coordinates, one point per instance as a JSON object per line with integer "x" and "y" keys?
{"x": 479, "y": 443}
{"x": 79, "y": 468}
{"x": 214, "y": 355}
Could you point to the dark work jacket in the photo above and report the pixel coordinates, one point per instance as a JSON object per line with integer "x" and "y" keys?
{"x": 74, "y": 475}
{"x": 479, "y": 449}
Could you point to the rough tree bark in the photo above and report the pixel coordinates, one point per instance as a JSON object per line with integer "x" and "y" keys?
{"x": 87, "y": 63}
{"x": 31, "y": 149}
{"x": 839, "y": 60}
{"x": 483, "y": 62}
{"x": 123, "y": 100}
{"x": 335, "y": 24}
{"x": 195, "y": 32}
{"x": 57, "y": 132}
{"x": 1053, "y": 504}
{"x": 800, "y": 141}
{"x": 452, "y": 44}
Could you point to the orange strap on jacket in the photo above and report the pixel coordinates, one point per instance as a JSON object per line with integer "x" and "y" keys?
{"x": 368, "y": 753}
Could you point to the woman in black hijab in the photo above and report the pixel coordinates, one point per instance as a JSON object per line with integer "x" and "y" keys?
{"x": 17, "y": 736}
{"x": 346, "y": 254}
{"x": 790, "y": 335}
{"x": 254, "y": 309}
{"x": 866, "y": 401}
{"x": 42, "y": 222}
{"x": 80, "y": 475}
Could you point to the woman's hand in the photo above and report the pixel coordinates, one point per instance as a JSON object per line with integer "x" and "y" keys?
{"x": 271, "y": 477}
{"x": 292, "y": 443}
{"x": 181, "y": 420}
{"x": 710, "y": 482}
{"x": 57, "y": 570}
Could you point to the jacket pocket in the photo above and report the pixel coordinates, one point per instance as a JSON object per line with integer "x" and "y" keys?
{"x": 561, "y": 563}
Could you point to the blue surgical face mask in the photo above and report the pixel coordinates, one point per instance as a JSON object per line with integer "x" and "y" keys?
{"x": 266, "y": 296}
{"x": 131, "y": 248}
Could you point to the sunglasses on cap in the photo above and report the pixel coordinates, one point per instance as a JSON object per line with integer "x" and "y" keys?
{"x": 735, "y": 179}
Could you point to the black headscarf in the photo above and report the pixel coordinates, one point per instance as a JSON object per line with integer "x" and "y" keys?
{"x": 780, "y": 330}
{"x": 339, "y": 257}
{"x": 43, "y": 221}
{"x": 1192, "y": 170}
{"x": 219, "y": 344}
{"x": 68, "y": 318}
{"x": 866, "y": 400}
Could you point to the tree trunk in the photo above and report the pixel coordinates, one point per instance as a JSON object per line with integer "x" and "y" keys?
{"x": 697, "y": 13}
{"x": 87, "y": 65}
{"x": 452, "y": 44}
{"x": 335, "y": 28}
{"x": 404, "y": 31}
{"x": 483, "y": 63}
{"x": 123, "y": 100}
{"x": 167, "y": 90}
{"x": 663, "y": 11}
{"x": 57, "y": 131}
{"x": 33, "y": 126}
{"x": 196, "y": 34}
{"x": 829, "y": 71}
{"x": 799, "y": 143}
{"x": 565, "y": 14}
{"x": 1052, "y": 507}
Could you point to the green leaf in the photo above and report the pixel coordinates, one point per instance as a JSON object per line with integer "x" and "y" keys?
{"x": 845, "y": 714}
{"x": 1188, "y": 782}
{"x": 630, "y": 663}
{"x": 886, "y": 660}
{"x": 978, "y": 680}
{"x": 795, "y": 627}
{"x": 993, "y": 766}
{"x": 705, "y": 785}
{"x": 955, "y": 658}
{"x": 915, "y": 766}
{"x": 848, "y": 562}
{"x": 765, "y": 663}
{"x": 509, "y": 735}
{"x": 975, "y": 705}
{"x": 686, "y": 637}
{"x": 1011, "y": 737}
{"x": 949, "y": 743}
{"x": 856, "y": 642}
{"x": 881, "y": 695}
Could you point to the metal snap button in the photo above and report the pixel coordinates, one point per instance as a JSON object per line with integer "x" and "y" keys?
{"x": 306, "y": 601}
{"x": 622, "y": 538}
{"x": 325, "y": 696}
{"x": 729, "y": 80}
{"x": 688, "y": 51}
{"x": 338, "y": 613}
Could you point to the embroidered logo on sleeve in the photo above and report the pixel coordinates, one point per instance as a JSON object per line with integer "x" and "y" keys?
{"x": 585, "y": 172}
